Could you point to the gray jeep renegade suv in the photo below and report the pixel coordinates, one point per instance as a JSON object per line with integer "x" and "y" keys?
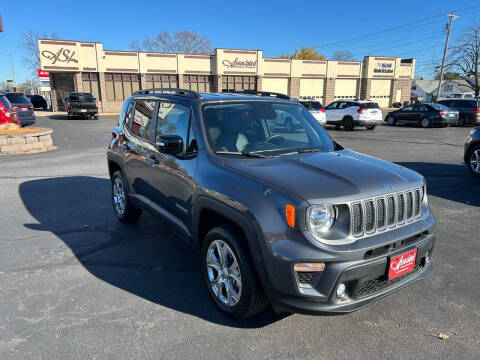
{"x": 287, "y": 218}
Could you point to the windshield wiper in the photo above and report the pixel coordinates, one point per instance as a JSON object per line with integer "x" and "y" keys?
{"x": 303, "y": 151}
{"x": 243, "y": 153}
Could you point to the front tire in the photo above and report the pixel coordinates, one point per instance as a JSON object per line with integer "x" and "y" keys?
{"x": 391, "y": 121}
{"x": 348, "y": 124}
{"x": 229, "y": 273}
{"x": 425, "y": 122}
{"x": 123, "y": 208}
{"x": 473, "y": 159}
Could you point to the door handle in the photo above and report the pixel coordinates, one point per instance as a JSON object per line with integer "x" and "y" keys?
{"x": 153, "y": 160}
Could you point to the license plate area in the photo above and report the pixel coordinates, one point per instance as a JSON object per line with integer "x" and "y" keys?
{"x": 401, "y": 264}
{"x": 83, "y": 110}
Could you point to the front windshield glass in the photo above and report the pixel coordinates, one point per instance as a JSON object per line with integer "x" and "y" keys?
{"x": 267, "y": 128}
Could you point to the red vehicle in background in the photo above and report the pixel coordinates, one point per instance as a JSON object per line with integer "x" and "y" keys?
{"x": 7, "y": 113}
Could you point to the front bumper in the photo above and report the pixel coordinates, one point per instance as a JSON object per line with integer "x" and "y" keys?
{"x": 364, "y": 274}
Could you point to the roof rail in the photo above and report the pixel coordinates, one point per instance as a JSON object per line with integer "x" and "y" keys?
{"x": 265, "y": 93}
{"x": 173, "y": 91}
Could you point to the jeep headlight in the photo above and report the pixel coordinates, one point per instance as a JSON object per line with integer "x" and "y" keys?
{"x": 320, "y": 219}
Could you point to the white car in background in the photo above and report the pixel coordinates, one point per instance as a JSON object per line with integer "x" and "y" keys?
{"x": 351, "y": 113}
{"x": 316, "y": 109}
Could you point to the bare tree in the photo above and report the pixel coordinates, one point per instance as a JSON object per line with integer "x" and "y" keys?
{"x": 464, "y": 56}
{"x": 186, "y": 42}
{"x": 342, "y": 55}
{"x": 29, "y": 45}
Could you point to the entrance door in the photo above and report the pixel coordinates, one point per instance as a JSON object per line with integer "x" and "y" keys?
{"x": 63, "y": 85}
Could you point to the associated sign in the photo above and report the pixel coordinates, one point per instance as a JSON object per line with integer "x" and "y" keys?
{"x": 43, "y": 75}
{"x": 240, "y": 64}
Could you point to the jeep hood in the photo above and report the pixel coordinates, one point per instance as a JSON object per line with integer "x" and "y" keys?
{"x": 334, "y": 176}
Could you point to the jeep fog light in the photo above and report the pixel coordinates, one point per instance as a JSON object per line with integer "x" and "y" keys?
{"x": 341, "y": 291}
{"x": 320, "y": 219}
{"x": 309, "y": 266}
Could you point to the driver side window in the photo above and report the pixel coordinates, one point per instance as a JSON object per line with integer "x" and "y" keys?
{"x": 408, "y": 108}
{"x": 332, "y": 106}
{"x": 174, "y": 119}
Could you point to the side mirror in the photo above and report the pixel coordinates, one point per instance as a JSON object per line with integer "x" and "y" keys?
{"x": 170, "y": 144}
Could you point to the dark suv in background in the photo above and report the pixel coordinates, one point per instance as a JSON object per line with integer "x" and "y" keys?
{"x": 81, "y": 104}
{"x": 469, "y": 110}
{"x": 38, "y": 101}
{"x": 290, "y": 218}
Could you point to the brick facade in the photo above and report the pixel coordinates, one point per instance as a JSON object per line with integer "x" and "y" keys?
{"x": 329, "y": 90}
{"x": 365, "y": 88}
{"x": 294, "y": 87}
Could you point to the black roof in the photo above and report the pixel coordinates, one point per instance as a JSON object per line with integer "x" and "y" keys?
{"x": 208, "y": 97}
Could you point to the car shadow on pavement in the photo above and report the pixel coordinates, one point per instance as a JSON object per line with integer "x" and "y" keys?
{"x": 144, "y": 259}
{"x": 65, "y": 117}
{"x": 448, "y": 181}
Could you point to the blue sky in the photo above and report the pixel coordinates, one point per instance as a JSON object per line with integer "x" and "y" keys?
{"x": 393, "y": 28}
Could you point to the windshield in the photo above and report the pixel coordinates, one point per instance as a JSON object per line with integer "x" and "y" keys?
{"x": 263, "y": 128}
{"x": 17, "y": 99}
{"x": 439, "y": 106}
{"x": 312, "y": 105}
{"x": 369, "y": 106}
{"x": 76, "y": 97}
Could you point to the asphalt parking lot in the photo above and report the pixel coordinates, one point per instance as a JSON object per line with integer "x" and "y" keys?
{"x": 75, "y": 283}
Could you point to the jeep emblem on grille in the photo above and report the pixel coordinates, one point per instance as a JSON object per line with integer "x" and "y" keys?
{"x": 386, "y": 186}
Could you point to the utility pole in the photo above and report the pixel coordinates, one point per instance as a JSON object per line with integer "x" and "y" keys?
{"x": 11, "y": 64}
{"x": 449, "y": 26}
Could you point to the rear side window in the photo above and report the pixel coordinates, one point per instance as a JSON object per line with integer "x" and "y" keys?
{"x": 420, "y": 108}
{"x": 5, "y": 102}
{"x": 142, "y": 122}
{"x": 467, "y": 104}
{"x": 371, "y": 105}
{"x": 17, "y": 99}
{"x": 312, "y": 105}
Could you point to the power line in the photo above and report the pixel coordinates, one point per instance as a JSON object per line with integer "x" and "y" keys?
{"x": 426, "y": 22}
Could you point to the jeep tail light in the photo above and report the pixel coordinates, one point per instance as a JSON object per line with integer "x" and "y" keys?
{"x": 322, "y": 110}
{"x": 360, "y": 110}
{"x": 290, "y": 215}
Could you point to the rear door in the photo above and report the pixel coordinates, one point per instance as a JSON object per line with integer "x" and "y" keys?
{"x": 172, "y": 178}
{"x": 419, "y": 111}
{"x": 138, "y": 146}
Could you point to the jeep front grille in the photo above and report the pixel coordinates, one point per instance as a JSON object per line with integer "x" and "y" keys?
{"x": 389, "y": 211}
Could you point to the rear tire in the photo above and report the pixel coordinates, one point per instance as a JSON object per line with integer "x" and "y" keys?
{"x": 348, "y": 124}
{"x": 227, "y": 264}
{"x": 425, "y": 122}
{"x": 371, "y": 127}
{"x": 123, "y": 208}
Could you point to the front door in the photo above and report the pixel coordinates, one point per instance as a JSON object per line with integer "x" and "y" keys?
{"x": 172, "y": 177}
{"x": 405, "y": 115}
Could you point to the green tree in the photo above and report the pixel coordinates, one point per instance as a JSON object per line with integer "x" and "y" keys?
{"x": 304, "y": 53}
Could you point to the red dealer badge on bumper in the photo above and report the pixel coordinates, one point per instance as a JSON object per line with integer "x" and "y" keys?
{"x": 402, "y": 264}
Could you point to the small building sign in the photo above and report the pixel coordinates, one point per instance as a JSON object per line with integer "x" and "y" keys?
{"x": 43, "y": 75}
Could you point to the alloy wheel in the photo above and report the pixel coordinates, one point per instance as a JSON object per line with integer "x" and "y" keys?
{"x": 118, "y": 196}
{"x": 475, "y": 161}
{"x": 425, "y": 123}
{"x": 224, "y": 273}
{"x": 391, "y": 121}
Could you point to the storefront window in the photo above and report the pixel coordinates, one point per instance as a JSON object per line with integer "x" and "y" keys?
{"x": 238, "y": 83}
{"x": 162, "y": 81}
{"x": 202, "y": 83}
{"x": 121, "y": 86}
{"x": 90, "y": 84}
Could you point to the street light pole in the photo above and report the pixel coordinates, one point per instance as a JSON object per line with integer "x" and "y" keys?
{"x": 449, "y": 26}
{"x": 11, "y": 64}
